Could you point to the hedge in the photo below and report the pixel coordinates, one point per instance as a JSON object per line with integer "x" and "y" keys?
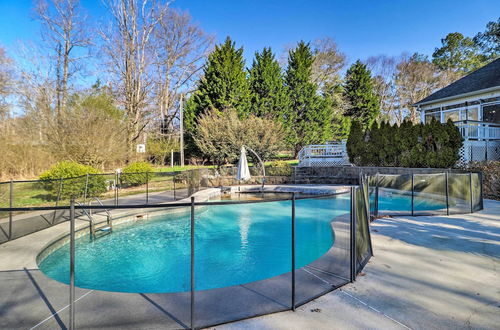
{"x": 409, "y": 145}
{"x": 135, "y": 174}
{"x": 74, "y": 180}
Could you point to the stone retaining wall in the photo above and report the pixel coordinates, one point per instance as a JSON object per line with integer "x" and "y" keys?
{"x": 350, "y": 174}
{"x": 256, "y": 180}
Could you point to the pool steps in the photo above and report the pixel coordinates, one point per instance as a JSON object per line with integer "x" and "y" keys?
{"x": 98, "y": 229}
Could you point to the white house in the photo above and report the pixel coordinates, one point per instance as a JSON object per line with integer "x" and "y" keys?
{"x": 473, "y": 103}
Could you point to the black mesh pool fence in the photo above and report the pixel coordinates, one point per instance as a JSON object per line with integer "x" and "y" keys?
{"x": 450, "y": 192}
{"x": 202, "y": 302}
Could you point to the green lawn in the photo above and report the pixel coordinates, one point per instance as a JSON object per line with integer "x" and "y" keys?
{"x": 28, "y": 194}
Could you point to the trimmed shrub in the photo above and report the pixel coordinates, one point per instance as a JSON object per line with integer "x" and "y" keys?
{"x": 279, "y": 168}
{"x": 135, "y": 174}
{"x": 421, "y": 145}
{"x": 74, "y": 180}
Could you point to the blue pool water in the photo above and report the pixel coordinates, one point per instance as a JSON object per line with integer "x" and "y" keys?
{"x": 390, "y": 201}
{"x": 235, "y": 244}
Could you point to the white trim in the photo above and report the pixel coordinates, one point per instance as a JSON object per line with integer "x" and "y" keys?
{"x": 480, "y": 91}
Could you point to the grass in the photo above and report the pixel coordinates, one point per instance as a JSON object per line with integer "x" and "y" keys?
{"x": 180, "y": 168}
{"x": 28, "y": 194}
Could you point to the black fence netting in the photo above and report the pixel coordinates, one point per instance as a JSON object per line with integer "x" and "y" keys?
{"x": 243, "y": 259}
{"x": 477, "y": 191}
{"x": 425, "y": 194}
{"x": 429, "y": 194}
{"x": 93, "y": 189}
{"x": 194, "y": 264}
{"x": 322, "y": 245}
{"x": 459, "y": 188}
{"x": 394, "y": 194}
{"x": 361, "y": 213}
{"x": 4, "y": 215}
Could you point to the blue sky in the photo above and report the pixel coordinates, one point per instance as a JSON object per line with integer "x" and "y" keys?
{"x": 360, "y": 28}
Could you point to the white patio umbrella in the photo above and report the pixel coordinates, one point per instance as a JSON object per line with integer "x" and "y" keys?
{"x": 243, "y": 170}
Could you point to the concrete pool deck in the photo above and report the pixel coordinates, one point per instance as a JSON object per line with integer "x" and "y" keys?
{"x": 428, "y": 272}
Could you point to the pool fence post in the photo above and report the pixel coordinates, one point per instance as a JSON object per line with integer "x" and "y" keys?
{"x": 11, "y": 203}
{"x": 447, "y": 193}
{"x": 470, "y": 195}
{"x": 293, "y": 251}
{"x": 57, "y": 200}
{"x": 72, "y": 265}
{"x": 192, "y": 263}
{"x": 412, "y": 193}
{"x": 352, "y": 235}
{"x": 86, "y": 188}
{"x": 116, "y": 187}
{"x": 147, "y": 187}
{"x": 481, "y": 190}
{"x": 173, "y": 179}
{"x": 376, "y": 195}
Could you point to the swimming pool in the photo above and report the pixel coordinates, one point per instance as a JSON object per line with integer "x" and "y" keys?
{"x": 235, "y": 244}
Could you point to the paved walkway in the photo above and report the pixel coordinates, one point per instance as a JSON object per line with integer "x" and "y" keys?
{"x": 428, "y": 273}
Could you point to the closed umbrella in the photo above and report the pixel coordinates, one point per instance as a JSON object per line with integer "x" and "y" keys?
{"x": 243, "y": 170}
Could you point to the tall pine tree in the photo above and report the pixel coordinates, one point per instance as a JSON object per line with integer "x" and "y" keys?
{"x": 310, "y": 117}
{"x": 362, "y": 101}
{"x": 224, "y": 83}
{"x": 269, "y": 97}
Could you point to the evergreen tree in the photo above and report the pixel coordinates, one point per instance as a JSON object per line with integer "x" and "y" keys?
{"x": 310, "y": 117}
{"x": 489, "y": 40}
{"x": 356, "y": 144}
{"x": 409, "y": 145}
{"x": 223, "y": 85}
{"x": 458, "y": 53}
{"x": 269, "y": 97}
{"x": 363, "y": 103}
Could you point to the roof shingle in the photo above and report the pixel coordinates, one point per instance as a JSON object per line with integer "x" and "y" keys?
{"x": 486, "y": 77}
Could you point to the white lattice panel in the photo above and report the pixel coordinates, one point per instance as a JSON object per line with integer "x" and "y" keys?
{"x": 323, "y": 162}
{"x": 324, "y": 155}
{"x": 478, "y": 151}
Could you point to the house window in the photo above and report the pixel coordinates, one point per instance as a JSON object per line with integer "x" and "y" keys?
{"x": 429, "y": 116}
{"x": 453, "y": 115}
{"x": 491, "y": 113}
{"x": 473, "y": 113}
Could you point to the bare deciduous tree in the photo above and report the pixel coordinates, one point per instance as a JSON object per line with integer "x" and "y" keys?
{"x": 180, "y": 49}
{"x": 220, "y": 135}
{"x": 328, "y": 62}
{"x": 91, "y": 132}
{"x": 64, "y": 32}
{"x": 416, "y": 78}
{"x": 383, "y": 70}
{"x": 128, "y": 44}
{"x": 6, "y": 83}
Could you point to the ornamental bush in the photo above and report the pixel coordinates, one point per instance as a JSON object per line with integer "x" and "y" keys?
{"x": 409, "y": 145}
{"x": 135, "y": 174}
{"x": 68, "y": 179}
{"x": 279, "y": 168}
